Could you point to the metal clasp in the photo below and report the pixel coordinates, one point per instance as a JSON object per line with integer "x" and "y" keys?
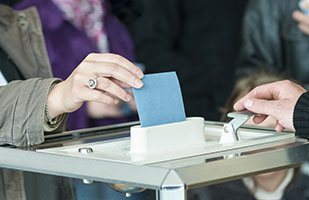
{"x": 86, "y": 150}
{"x": 230, "y": 130}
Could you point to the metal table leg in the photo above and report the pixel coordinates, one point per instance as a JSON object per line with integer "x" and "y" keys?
{"x": 172, "y": 188}
{"x": 172, "y": 193}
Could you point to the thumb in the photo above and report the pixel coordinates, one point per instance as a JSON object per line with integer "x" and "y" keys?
{"x": 259, "y": 106}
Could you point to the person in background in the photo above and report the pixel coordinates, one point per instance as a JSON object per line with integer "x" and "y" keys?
{"x": 197, "y": 39}
{"x": 287, "y": 184}
{"x": 275, "y": 38}
{"x": 73, "y": 29}
{"x": 33, "y": 103}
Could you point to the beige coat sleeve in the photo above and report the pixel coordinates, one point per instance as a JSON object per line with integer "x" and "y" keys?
{"x": 22, "y": 111}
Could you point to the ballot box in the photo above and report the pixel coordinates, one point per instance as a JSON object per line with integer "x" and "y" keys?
{"x": 104, "y": 154}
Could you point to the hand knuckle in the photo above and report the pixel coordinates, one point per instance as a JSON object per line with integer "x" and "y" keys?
{"x": 114, "y": 69}
{"x": 83, "y": 66}
{"x": 105, "y": 83}
{"x": 107, "y": 100}
{"x": 117, "y": 57}
{"x": 91, "y": 56}
{"x": 77, "y": 78}
{"x": 280, "y": 106}
{"x": 96, "y": 96}
{"x": 123, "y": 94}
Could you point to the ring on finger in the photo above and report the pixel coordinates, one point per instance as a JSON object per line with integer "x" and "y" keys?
{"x": 92, "y": 83}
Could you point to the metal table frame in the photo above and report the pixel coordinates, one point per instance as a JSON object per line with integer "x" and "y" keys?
{"x": 170, "y": 179}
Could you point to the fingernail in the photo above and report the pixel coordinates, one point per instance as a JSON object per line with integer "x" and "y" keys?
{"x": 138, "y": 83}
{"x": 128, "y": 97}
{"x": 140, "y": 74}
{"x": 248, "y": 103}
{"x": 116, "y": 101}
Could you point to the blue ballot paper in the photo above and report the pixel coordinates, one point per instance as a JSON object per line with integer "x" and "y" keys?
{"x": 159, "y": 101}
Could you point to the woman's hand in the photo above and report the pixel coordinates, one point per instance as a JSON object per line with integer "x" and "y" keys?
{"x": 112, "y": 72}
{"x": 98, "y": 110}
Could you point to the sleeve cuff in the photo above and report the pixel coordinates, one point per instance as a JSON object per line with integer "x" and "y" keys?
{"x": 59, "y": 120}
{"x": 301, "y": 116}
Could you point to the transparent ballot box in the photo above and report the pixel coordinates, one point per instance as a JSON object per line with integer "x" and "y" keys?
{"x": 105, "y": 154}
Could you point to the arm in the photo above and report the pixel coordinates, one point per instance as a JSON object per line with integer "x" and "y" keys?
{"x": 22, "y": 111}
{"x": 261, "y": 47}
{"x": 23, "y": 102}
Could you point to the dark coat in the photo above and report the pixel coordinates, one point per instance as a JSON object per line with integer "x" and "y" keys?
{"x": 272, "y": 40}
{"x": 197, "y": 39}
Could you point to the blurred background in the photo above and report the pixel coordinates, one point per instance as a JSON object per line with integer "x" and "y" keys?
{"x": 211, "y": 44}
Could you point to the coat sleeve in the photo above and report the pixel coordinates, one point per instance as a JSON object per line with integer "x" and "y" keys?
{"x": 301, "y": 116}
{"x": 22, "y": 111}
{"x": 261, "y": 45}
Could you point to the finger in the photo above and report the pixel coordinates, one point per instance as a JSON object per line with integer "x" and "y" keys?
{"x": 301, "y": 17}
{"x": 107, "y": 69}
{"x": 279, "y": 127}
{"x": 259, "y": 119}
{"x": 120, "y": 83}
{"x": 98, "y": 96}
{"x": 105, "y": 84}
{"x": 116, "y": 59}
{"x": 261, "y": 106}
{"x": 255, "y": 93}
{"x": 266, "y": 91}
{"x": 239, "y": 105}
{"x": 268, "y": 107}
{"x": 304, "y": 28}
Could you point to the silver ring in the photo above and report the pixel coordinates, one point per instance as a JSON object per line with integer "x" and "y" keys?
{"x": 92, "y": 83}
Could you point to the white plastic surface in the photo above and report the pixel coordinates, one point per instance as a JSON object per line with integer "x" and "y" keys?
{"x": 168, "y": 136}
{"x": 227, "y": 136}
{"x": 118, "y": 150}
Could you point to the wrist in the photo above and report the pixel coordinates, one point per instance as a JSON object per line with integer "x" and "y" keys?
{"x": 53, "y": 102}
